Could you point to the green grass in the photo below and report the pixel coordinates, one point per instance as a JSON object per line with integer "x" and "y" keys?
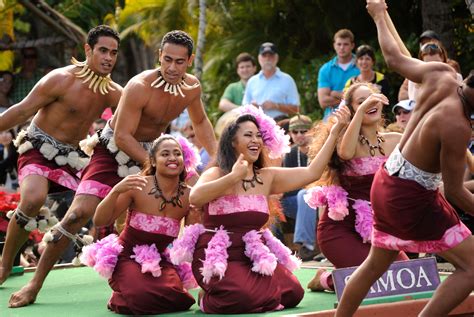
{"x": 81, "y": 292}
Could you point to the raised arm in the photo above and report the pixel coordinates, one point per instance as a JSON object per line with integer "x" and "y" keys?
{"x": 396, "y": 59}
{"x": 348, "y": 146}
{"x": 291, "y": 178}
{"x": 129, "y": 114}
{"x": 118, "y": 200}
{"x": 47, "y": 90}
{"x": 202, "y": 126}
{"x": 211, "y": 185}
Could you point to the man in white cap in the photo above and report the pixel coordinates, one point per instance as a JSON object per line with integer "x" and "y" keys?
{"x": 402, "y": 112}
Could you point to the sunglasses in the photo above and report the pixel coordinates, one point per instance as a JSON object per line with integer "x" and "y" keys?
{"x": 399, "y": 112}
{"x": 430, "y": 48}
{"x": 299, "y": 131}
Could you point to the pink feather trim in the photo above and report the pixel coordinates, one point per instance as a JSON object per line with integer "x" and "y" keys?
{"x": 149, "y": 258}
{"x": 274, "y": 137}
{"x": 264, "y": 262}
{"x": 102, "y": 255}
{"x": 215, "y": 262}
{"x": 282, "y": 253}
{"x": 192, "y": 159}
{"x": 183, "y": 247}
{"x": 364, "y": 219}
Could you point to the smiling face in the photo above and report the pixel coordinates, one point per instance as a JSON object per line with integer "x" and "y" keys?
{"x": 169, "y": 158}
{"x": 246, "y": 69}
{"x": 374, "y": 112}
{"x": 174, "y": 61}
{"x": 365, "y": 63}
{"x": 101, "y": 59}
{"x": 248, "y": 141}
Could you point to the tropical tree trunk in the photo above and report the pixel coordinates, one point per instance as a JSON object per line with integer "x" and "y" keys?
{"x": 436, "y": 15}
{"x": 201, "y": 40}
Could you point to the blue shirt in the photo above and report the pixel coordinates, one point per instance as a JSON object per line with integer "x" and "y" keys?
{"x": 332, "y": 76}
{"x": 279, "y": 88}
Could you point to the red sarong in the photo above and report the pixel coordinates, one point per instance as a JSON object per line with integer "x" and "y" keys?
{"x": 100, "y": 175}
{"x": 405, "y": 209}
{"x": 62, "y": 178}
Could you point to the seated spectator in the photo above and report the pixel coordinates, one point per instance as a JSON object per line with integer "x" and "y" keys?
{"x": 28, "y": 76}
{"x": 402, "y": 111}
{"x": 97, "y": 125}
{"x": 271, "y": 89}
{"x": 298, "y": 127}
{"x": 365, "y": 61}
{"x": 234, "y": 93}
{"x": 8, "y": 158}
{"x": 6, "y": 84}
{"x": 188, "y": 132}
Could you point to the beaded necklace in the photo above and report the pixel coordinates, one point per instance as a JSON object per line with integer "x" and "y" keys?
{"x": 175, "y": 200}
{"x": 363, "y": 140}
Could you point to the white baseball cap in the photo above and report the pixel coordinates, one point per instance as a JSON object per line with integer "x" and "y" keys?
{"x": 405, "y": 104}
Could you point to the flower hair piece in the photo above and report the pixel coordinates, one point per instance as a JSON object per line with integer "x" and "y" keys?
{"x": 192, "y": 159}
{"x": 274, "y": 137}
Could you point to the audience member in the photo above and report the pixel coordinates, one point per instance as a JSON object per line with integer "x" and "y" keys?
{"x": 402, "y": 112}
{"x": 365, "y": 61}
{"x": 298, "y": 127}
{"x": 28, "y": 76}
{"x": 8, "y": 158}
{"x": 6, "y": 83}
{"x": 234, "y": 93}
{"x": 271, "y": 89}
{"x": 333, "y": 75}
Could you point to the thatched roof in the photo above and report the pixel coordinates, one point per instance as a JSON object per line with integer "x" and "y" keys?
{"x": 67, "y": 31}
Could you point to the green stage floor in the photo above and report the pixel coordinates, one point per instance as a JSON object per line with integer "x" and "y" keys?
{"x": 81, "y": 292}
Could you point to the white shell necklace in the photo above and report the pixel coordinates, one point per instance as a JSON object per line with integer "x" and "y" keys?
{"x": 103, "y": 83}
{"x": 173, "y": 89}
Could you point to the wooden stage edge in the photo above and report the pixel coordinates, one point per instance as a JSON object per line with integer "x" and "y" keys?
{"x": 408, "y": 308}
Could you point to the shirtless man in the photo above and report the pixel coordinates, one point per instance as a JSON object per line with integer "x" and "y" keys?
{"x": 150, "y": 101}
{"x": 64, "y": 108}
{"x": 405, "y": 197}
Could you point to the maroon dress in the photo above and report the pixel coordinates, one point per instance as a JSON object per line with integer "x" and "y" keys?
{"x": 137, "y": 293}
{"x": 241, "y": 290}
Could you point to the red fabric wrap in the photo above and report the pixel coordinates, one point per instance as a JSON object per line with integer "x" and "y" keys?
{"x": 405, "y": 209}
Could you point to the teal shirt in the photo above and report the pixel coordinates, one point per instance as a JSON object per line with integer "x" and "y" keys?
{"x": 234, "y": 93}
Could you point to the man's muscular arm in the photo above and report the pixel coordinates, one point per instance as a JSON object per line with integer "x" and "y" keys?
{"x": 453, "y": 160}
{"x": 201, "y": 124}
{"x": 47, "y": 90}
{"x": 129, "y": 113}
{"x": 396, "y": 59}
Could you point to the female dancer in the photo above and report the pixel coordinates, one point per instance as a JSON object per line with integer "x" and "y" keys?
{"x": 141, "y": 277}
{"x": 241, "y": 268}
{"x": 345, "y": 227}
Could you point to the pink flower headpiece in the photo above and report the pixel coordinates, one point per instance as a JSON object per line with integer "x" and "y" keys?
{"x": 274, "y": 137}
{"x": 192, "y": 159}
{"x": 190, "y": 153}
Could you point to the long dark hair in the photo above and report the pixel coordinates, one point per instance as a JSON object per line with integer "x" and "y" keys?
{"x": 226, "y": 155}
{"x": 148, "y": 168}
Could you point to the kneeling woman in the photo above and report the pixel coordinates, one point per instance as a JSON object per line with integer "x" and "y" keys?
{"x": 141, "y": 277}
{"x": 240, "y": 267}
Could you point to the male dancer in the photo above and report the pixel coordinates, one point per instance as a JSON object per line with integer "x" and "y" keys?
{"x": 150, "y": 101}
{"x": 64, "y": 104}
{"x": 410, "y": 214}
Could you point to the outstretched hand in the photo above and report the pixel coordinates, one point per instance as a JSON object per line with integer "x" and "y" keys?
{"x": 130, "y": 182}
{"x": 342, "y": 116}
{"x": 371, "y": 101}
{"x": 240, "y": 167}
{"x": 376, "y": 8}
